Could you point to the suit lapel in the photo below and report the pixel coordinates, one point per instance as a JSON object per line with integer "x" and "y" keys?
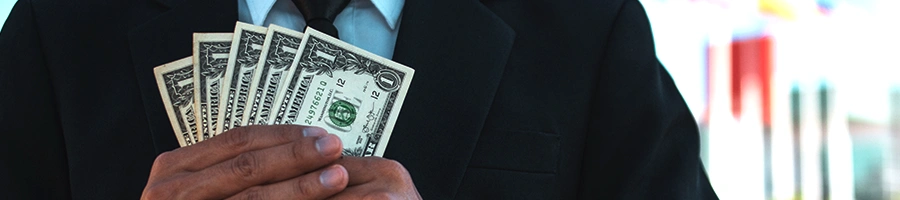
{"x": 166, "y": 38}
{"x": 459, "y": 49}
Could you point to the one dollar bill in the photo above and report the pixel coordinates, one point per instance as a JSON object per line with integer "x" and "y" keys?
{"x": 210, "y": 61}
{"x": 246, "y": 47}
{"x": 348, "y": 91}
{"x": 175, "y": 81}
{"x": 279, "y": 51}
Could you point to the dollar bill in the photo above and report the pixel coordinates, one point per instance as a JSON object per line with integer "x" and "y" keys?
{"x": 175, "y": 81}
{"x": 210, "y": 60}
{"x": 242, "y": 59}
{"x": 279, "y": 51}
{"x": 348, "y": 91}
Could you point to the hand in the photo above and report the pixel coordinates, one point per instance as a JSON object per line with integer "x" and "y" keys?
{"x": 255, "y": 162}
{"x": 376, "y": 178}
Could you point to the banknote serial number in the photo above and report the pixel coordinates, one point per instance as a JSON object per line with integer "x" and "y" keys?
{"x": 317, "y": 99}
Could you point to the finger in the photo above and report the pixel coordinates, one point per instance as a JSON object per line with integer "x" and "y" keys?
{"x": 265, "y": 166}
{"x": 376, "y": 178}
{"x": 317, "y": 185}
{"x": 364, "y": 192}
{"x": 367, "y": 169}
{"x": 233, "y": 142}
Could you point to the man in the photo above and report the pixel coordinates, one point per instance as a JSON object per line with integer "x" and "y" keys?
{"x": 521, "y": 99}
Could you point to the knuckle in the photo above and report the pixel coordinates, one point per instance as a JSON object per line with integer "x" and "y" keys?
{"x": 392, "y": 168}
{"x": 306, "y": 189}
{"x": 165, "y": 162}
{"x": 393, "y": 164}
{"x": 297, "y": 151}
{"x": 236, "y": 139}
{"x": 253, "y": 193}
{"x": 158, "y": 191}
{"x": 245, "y": 166}
{"x": 164, "y": 159}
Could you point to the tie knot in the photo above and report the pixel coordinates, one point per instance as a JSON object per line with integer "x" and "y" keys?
{"x": 320, "y": 14}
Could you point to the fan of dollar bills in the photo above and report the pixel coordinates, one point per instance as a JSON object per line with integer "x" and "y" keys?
{"x": 260, "y": 76}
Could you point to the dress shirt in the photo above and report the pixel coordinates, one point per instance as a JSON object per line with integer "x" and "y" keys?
{"x": 368, "y": 24}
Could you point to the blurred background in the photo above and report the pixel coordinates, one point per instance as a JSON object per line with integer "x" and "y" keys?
{"x": 795, "y": 99}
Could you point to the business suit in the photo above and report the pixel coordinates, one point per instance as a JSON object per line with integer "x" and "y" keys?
{"x": 511, "y": 99}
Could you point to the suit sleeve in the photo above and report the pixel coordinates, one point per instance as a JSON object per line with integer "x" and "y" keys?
{"x": 33, "y": 163}
{"x": 643, "y": 142}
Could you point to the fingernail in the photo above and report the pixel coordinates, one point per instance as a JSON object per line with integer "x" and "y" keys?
{"x": 313, "y": 132}
{"x": 328, "y": 145}
{"x": 333, "y": 176}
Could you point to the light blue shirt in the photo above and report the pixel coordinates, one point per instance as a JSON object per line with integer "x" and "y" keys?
{"x": 368, "y": 24}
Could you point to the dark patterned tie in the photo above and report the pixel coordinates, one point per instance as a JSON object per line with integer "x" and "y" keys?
{"x": 320, "y": 14}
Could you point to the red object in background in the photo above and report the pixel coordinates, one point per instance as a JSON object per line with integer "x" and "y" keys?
{"x": 751, "y": 62}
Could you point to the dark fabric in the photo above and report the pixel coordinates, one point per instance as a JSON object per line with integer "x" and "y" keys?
{"x": 33, "y": 164}
{"x": 524, "y": 99}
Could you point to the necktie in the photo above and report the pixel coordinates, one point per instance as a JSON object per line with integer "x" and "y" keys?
{"x": 320, "y": 14}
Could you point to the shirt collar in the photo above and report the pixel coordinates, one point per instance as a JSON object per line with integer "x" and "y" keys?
{"x": 390, "y": 9}
{"x": 259, "y": 9}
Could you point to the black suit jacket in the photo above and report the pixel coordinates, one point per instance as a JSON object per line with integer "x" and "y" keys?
{"x": 512, "y": 99}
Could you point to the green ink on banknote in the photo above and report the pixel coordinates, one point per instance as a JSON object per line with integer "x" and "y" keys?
{"x": 342, "y": 113}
